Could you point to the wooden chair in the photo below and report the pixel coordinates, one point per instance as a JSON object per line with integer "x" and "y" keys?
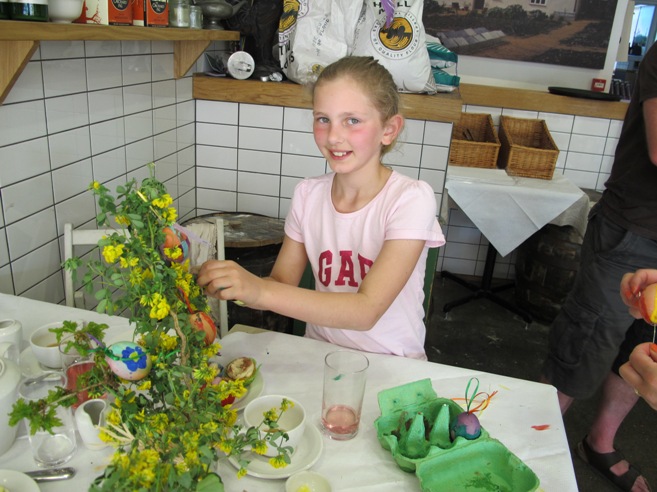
{"x": 78, "y": 237}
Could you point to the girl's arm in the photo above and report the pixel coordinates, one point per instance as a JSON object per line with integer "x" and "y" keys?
{"x": 279, "y": 293}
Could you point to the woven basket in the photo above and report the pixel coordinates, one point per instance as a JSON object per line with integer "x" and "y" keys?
{"x": 527, "y": 148}
{"x": 474, "y": 142}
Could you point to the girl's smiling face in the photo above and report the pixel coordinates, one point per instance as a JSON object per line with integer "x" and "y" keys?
{"x": 347, "y": 127}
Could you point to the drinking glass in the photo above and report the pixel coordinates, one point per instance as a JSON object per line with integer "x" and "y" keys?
{"x": 345, "y": 374}
{"x": 50, "y": 449}
{"x": 74, "y": 364}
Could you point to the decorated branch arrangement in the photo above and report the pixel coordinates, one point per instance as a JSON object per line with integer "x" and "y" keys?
{"x": 170, "y": 414}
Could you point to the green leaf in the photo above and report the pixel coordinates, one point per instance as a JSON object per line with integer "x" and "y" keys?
{"x": 211, "y": 483}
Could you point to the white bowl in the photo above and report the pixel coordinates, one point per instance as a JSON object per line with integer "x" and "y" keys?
{"x": 307, "y": 481}
{"x": 292, "y": 421}
{"x": 64, "y": 11}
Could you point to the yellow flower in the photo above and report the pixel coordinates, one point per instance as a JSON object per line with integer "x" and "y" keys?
{"x": 113, "y": 416}
{"x": 159, "y": 306}
{"x": 167, "y": 342}
{"x": 121, "y": 460}
{"x": 277, "y": 462}
{"x": 129, "y": 262}
{"x": 173, "y": 253}
{"x": 95, "y": 185}
{"x": 241, "y": 473}
{"x": 271, "y": 414}
{"x": 122, "y": 220}
{"x": 225, "y": 446}
{"x": 144, "y": 385}
{"x": 112, "y": 252}
{"x": 163, "y": 202}
{"x": 259, "y": 447}
{"x": 286, "y": 404}
{"x": 170, "y": 214}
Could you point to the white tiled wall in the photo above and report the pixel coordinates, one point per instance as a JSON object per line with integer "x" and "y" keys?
{"x": 103, "y": 110}
{"x": 250, "y": 157}
{"x": 83, "y": 111}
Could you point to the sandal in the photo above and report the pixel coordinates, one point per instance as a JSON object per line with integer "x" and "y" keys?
{"x": 602, "y": 463}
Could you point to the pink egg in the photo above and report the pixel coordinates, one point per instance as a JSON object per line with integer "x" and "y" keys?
{"x": 465, "y": 425}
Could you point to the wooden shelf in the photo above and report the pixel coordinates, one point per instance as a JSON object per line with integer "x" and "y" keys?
{"x": 502, "y": 97}
{"x": 439, "y": 107}
{"x": 19, "y": 40}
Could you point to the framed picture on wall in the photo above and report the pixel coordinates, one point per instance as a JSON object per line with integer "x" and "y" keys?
{"x": 559, "y": 32}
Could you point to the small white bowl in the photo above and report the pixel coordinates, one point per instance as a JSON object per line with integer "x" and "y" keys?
{"x": 64, "y": 11}
{"x": 292, "y": 421}
{"x": 307, "y": 481}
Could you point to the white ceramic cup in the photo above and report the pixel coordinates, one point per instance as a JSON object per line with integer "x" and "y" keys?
{"x": 292, "y": 421}
{"x": 45, "y": 347}
{"x": 88, "y": 417}
{"x": 11, "y": 332}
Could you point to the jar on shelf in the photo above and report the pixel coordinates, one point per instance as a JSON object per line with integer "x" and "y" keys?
{"x": 29, "y": 10}
{"x": 179, "y": 13}
{"x": 195, "y": 17}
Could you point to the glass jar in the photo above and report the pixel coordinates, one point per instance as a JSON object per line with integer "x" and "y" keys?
{"x": 195, "y": 17}
{"x": 29, "y": 10}
{"x": 179, "y": 13}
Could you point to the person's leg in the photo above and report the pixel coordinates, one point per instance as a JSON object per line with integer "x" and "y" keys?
{"x": 617, "y": 400}
{"x": 585, "y": 336}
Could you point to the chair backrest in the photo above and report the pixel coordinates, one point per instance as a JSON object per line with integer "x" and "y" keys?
{"x": 221, "y": 255}
{"x": 308, "y": 282}
{"x": 78, "y": 237}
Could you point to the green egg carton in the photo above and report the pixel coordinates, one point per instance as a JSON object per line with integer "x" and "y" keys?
{"x": 485, "y": 466}
{"x": 414, "y": 427}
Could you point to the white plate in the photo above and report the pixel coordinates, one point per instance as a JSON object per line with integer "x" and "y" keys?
{"x": 306, "y": 455}
{"x": 30, "y": 366}
{"x": 17, "y": 481}
{"x": 254, "y": 390}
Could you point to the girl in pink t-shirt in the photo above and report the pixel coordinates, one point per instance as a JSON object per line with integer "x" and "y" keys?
{"x": 364, "y": 228}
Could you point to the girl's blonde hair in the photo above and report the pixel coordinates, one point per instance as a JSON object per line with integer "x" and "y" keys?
{"x": 373, "y": 79}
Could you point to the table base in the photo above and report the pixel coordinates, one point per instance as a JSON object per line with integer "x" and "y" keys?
{"x": 485, "y": 290}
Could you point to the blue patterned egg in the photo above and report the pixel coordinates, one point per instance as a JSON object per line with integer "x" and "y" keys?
{"x": 128, "y": 360}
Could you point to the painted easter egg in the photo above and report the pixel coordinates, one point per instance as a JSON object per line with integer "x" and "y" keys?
{"x": 465, "y": 425}
{"x": 648, "y": 304}
{"x": 175, "y": 239}
{"x": 202, "y": 322}
{"x": 128, "y": 360}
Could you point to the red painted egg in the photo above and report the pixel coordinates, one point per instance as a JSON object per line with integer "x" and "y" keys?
{"x": 648, "y": 304}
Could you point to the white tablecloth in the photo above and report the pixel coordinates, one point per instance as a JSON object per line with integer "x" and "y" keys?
{"x": 292, "y": 366}
{"x": 507, "y": 209}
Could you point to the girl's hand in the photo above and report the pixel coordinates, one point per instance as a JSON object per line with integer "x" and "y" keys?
{"x": 640, "y": 372}
{"x": 226, "y": 280}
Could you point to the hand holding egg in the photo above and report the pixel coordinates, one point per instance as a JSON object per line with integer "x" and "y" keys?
{"x": 639, "y": 293}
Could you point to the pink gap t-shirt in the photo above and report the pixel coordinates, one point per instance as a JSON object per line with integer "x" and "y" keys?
{"x": 341, "y": 248}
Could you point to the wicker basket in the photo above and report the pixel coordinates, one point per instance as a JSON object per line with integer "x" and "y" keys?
{"x": 527, "y": 148}
{"x": 474, "y": 142}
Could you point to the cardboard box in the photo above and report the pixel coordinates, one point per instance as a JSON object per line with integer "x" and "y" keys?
{"x": 137, "y": 12}
{"x": 156, "y": 13}
{"x": 106, "y": 12}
